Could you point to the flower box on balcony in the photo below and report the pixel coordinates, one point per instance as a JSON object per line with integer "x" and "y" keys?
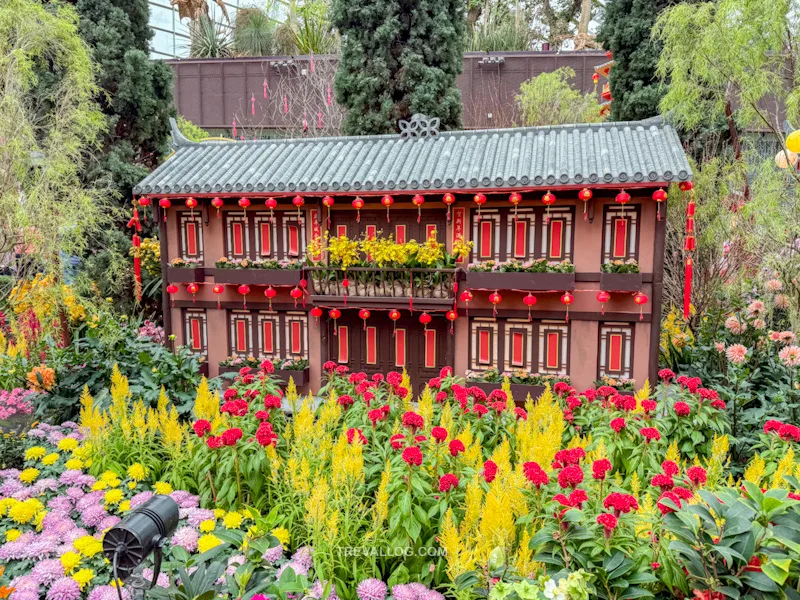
{"x": 520, "y": 391}
{"x": 366, "y": 282}
{"x": 185, "y": 274}
{"x": 259, "y": 276}
{"x": 520, "y": 281}
{"x": 300, "y": 376}
{"x": 621, "y": 282}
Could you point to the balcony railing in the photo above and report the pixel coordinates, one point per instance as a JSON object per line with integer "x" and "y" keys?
{"x": 366, "y": 282}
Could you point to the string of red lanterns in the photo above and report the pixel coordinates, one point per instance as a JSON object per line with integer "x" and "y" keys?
{"x": 689, "y": 248}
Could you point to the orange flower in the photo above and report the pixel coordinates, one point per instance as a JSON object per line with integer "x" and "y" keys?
{"x": 42, "y": 379}
{"x": 5, "y": 592}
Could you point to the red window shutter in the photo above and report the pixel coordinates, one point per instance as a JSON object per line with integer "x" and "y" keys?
{"x": 400, "y": 348}
{"x": 517, "y": 349}
{"x": 521, "y": 238}
{"x": 341, "y": 231}
{"x": 372, "y": 345}
{"x": 344, "y": 344}
{"x": 615, "y": 343}
{"x": 431, "y": 229}
{"x": 486, "y": 239}
{"x": 553, "y": 341}
{"x": 266, "y": 239}
{"x": 241, "y": 335}
{"x": 197, "y": 339}
{"x": 294, "y": 240}
{"x": 238, "y": 239}
{"x": 620, "y": 238}
{"x": 297, "y": 337}
{"x": 191, "y": 238}
{"x": 430, "y": 349}
{"x": 269, "y": 337}
{"x": 400, "y": 234}
{"x": 556, "y": 238}
{"x": 484, "y": 347}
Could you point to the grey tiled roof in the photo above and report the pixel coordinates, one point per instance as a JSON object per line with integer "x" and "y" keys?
{"x": 642, "y": 152}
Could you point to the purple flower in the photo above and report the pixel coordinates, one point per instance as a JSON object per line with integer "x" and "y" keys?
{"x": 70, "y": 477}
{"x": 75, "y": 493}
{"x": 65, "y": 588}
{"x": 140, "y": 498}
{"x": 69, "y": 425}
{"x": 409, "y": 591}
{"x": 273, "y": 555}
{"x": 162, "y": 581}
{"x": 60, "y": 504}
{"x": 93, "y": 515}
{"x": 432, "y": 595}
{"x": 47, "y": 571}
{"x": 10, "y": 473}
{"x": 108, "y": 523}
{"x": 185, "y": 499}
{"x": 106, "y": 592}
{"x": 195, "y": 516}
{"x": 304, "y": 557}
{"x": 54, "y": 437}
{"x": 45, "y": 485}
{"x": 186, "y": 538}
{"x": 36, "y": 434}
{"x": 371, "y": 589}
{"x": 318, "y": 589}
{"x": 10, "y": 487}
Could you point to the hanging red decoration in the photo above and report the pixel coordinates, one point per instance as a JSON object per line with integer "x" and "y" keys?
{"x": 134, "y": 220}
{"x": 685, "y": 186}
{"x": 466, "y": 298}
{"x": 603, "y": 297}
{"x": 495, "y": 299}
{"x": 641, "y": 299}
{"x": 137, "y": 267}
{"x": 193, "y": 288}
{"x": 480, "y": 200}
{"x": 595, "y": 78}
{"x": 327, "y": 202}
{"x": 659, "y": 196}
{"x": 530, "y": 302}
{"x": 358, "y": 204}
{"x": 172, "y": 289}
{"x": 515, "y": 199}
{"x": 270, "y": 293}
{"x": 448, "y": 199}
{"x": 566, "y": 300}
{"x": 548, "y": 199}
{"x": 144, "y": 202}
{"x": 244, "y": 203}
{"x": 316, "y": 312}
{"x": 622, "y": 199}
{"x": 451, "y": 315}
{"x": 218, "y": 289}
{"x": 298, "y": 202}
{"x": 394, "y": 315}
{"x": 345, "y": 285}
{"x": 418, "y": 201}
{"x": 387, "y": 201}
{"x": 364, "y": 314}
{"x": 191, "y": 204}
{"x": 217, "y": 203}
{"x": 334, "y": 314}
{"x": 164, "y": 204}
{"x": 271, "y": 204}
{"x": 689, "y": 246}
{"x": 244, "y": 290}
{"x": 425, "y": 318}
{"x": 585, "y": 194}
{"x": 296, "y": 294}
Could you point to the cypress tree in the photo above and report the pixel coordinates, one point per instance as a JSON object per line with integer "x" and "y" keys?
{"x": 399, "y": 57}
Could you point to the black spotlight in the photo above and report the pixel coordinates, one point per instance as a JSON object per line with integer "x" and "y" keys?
{"x": 142, "y": 532}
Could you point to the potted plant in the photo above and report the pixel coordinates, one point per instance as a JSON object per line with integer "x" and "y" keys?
{"x": 620, "y": 276}
{"x": 258, "y": 272}
{"x": 536, "y": 274}
{"x": 185, "y": 270}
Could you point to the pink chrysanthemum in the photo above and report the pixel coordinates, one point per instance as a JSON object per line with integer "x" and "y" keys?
{"x": 790, "y": 356}
{"x": 736, "y": 353}
{"x": 371, "y": 589}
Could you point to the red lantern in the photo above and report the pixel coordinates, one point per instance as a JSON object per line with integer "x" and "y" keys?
{"x": 622, "y": 199}
{"x": 164, "y": 203}
{"x": 602, "y": 298}
{"x": 685, "y": 186}
{"x": 144, "y": 202}
{"x": 585, "y": 194}
{"x": 358, "y": 204}
{"x": 172, "y": 289}
{"x": 345, "y": 285}
{"x": 270, "y": 293}
{"x": 394, "y": 315}
{"x": 609, "y": 55}
{"x": 515, "y": 199}
{"x": 689, "y": 245}
{"x": 530, "y": 301}
{"x": 548, "y": 199}
{"x": 218, "y": 289}
{"x": 244, "y": 290}
{"x": 316, "y": 312}
{"x": 271, "y": 204}
{"x": 334, "y": 314}
{"x": 296, "y": 294}
{"x": 659, "y": 196}
{"x": 595, "y": 78}
{"x": 451, "y": 315}
{"x": 425, "y": 318}
{"x": 298, "y": 202}
{"x": 191, "y": 204}
{"x": 495, "y": 299}
{"x": 566, "y": 300}
{"x": 466, "y": 298}
{"x": 244, "y": 203}
{"x": 418, "y": 201}
{"x": 641, "y": 299}
{"x": 327, "y": 202}
{"x": 387, "y": 201}
{"x": 480, "y": 200}
{"x": 448, "y": 199}
{"x": 217, "y": 203}
{"x": 193, "y": 288}
{"x": 364, "y": 314}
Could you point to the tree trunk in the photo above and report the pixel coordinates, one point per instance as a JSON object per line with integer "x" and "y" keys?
{"x": 586, "y": 17}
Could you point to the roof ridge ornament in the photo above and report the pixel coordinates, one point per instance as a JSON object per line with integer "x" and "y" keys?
{"x": 420, "y": 126}
{"x": 178, "y": 139}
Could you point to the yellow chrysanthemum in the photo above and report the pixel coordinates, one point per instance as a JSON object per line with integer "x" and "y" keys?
{"x": 83, "y": 577}
{"x": 70, "y": 560}
{"x": 219, "y": 513}
{"x": 74, "y": 464}
{"x": 108, "y": 476}
{"x": 233, "y": 520}
{"x": 99, "y": 485}
{"x": 50, "y": 459}
{"x": 5, "y": 504}
{"x": 282, "y": 535}
{"x": 68, "y": 444}
{"x": 162, "y": 487}
{"x": 137, "y": 472}
{"x": 131, "y": 485}
{"x": 125, "y": 506}
{"x": 12, "y": 535}
{"x": 24, "y": 512}
{"x": 207, "y": 542}
{"x": 35, "y": 453}
{"x": 29, "y": 475}
{"x": 113, "y": 496}
{"x": 208, "y": 526}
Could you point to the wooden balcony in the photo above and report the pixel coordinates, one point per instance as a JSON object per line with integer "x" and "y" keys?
{"x": 375, "y": 287}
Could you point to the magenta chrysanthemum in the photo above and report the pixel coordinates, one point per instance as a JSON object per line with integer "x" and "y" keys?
{"x": 65, "y": 588}
{"x": 371, "y": 589}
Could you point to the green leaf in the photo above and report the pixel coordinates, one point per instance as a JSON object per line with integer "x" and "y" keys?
{"x": 759, "y": 581}
{"x": 635, "y": 592}
{"x": 775, "y": 572}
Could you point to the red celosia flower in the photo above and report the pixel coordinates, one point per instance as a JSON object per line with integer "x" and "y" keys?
{"x": 668, "y": 496}
{"x": 650, "y": 434}
{"x": 600, "y": 468}
{"x": 400, "y": 391}
{"x": 655, "y": 565}
{"x": 498, "y": 396}
{"x": 663, "y": 482}
{"x": 376, "y": 415}
{"x": 262, "y": 415}
{"x": 535, "y": 474}
{"x": 231, "y": 436}
{"x": 520, "y": 413}
{"x": 214, "y": 442}
{"x": 345, "y": 400}
{"x": 342, "y": 370}
{"x": 578, "y": 497}
{"x": 267, "y": 366}
{"x": 571, "y": 456}
{"x": 570, "y": 476}
{"x": 265, "y": 436}
{"x": 670, "y": 468}
{"x": 412, "y": 456}
{"x": 574, "y": 402}
{"x": 420, "y": 438}
{"x": 386, "y": 409}
{"x": 569, "y": 416}
{"x": 368, "y": 398}
{"x": 434, "y": 383}
{"x": 477, "y": 393}
{"x": 441, "y": 397}
{"x": 230, "y": 394}
{"x": 398, "y": 440}
{"x": 682, "y": 493}
{"x": 794, "y": 495}
{"x": 606, "y": 390}
{"x": 448, "y": 482}
{"x": 718, "y": 404}
{"x": 446, "y": 372}
{"x": 649, "y": 406}
{"x": 560, "y": 388}
{"x": 682, "y": 409}
{"x": 202, "y": 427}
{"x": 329, "y": 365}
{"x": 772, "y": 425}
{"x": 480, "y": 410}
{"x": 666, "y": 375}
{"x": 707, "y": 394}
{"x": 377, "y": 377}
{"x": 412, "y": 420}
{"x": 394, "y": 378}
{"x": 590, "y": 394}
{"x": 498, "y": 406}
{"x": 697, "y": 475}
{"x": 244, "y": 371}
{"x": 271, "y": 402}
{"x": 456, "y": 447}
{"x": 489, "y": 471}
{"x": 789, "y": 433}
{"x": 609, "y": 523}
{"x": 439, "y": 434}
{"x": 355, "y": 434}
{"x": 562, "y": 500}
{"x": 617, "y": 424}
{"x": 620, "y": 503}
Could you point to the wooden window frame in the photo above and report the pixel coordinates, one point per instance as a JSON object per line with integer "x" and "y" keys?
{"x": 501, "y": 334}
{"x": 187, "y": 315}
{"x": 538, "y": 233}
{"x": 633, "y": 214}
{"x": 184, "y": 218}
{"x": 281, "y": 334}
{"x": 605, "y": 330}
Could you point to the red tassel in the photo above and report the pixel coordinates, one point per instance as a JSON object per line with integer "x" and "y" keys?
{"x": 687, "y": 288}
{"x": 137, "y": 268}
{"x": 411, "y": 303}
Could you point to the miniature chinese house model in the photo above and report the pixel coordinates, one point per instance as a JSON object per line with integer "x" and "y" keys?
{"x": 586, "y": 194}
